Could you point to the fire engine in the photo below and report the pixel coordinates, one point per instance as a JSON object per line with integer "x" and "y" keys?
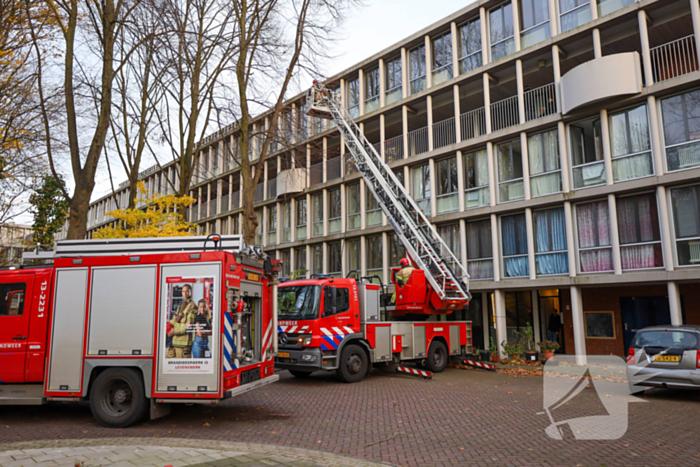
{"x": 135, "y": 325}
{"x": 341, "y": 323}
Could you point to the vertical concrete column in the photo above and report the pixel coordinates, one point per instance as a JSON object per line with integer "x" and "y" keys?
{"x": 219, "y": 207}
{"x": 556, "y": 66}
{"x": 460, "y": 180}
{"x": 695, "y": 14}
{"x": 279, "y": 224}
{"x": 385, "y": 256}
{"x": 229, "y": 205}
{"x": 429, "y": 113}
{"x": 382, "y": 136}
{"x": 496, "y": 251}
{"x": 209, "y": 203}
{"x": 666, "y": 238}
{"x": 343, "y": 208}
{"x": 564, "y": 158}
{"x": 308, "y": 165}
{"x": 325, "y": 212}
{"x": 500, "y": 314}
{"x": 292, "y": 260}
{"x": 433, "y": 200}
{"x": 492, "y": 173}
{"x": 570, "y": 242}
{"x": 597, "y": 48}
{"x": 343, "y": 258}
{"x": 404, "y": 122}
{"x": 264, "y": 226}
{"x": 553, "y": 18}
{"x": 342, "y": 97}
{"x": 428, "y": 63}
{"x": 530, "y": 244}
{"x": 407, "y": 179}
{"x": 614, "y": 234}
{"x": 463, "y": 243}
{"x": 308, "y": 261}
{"x": 458, "y": 112}
{"x": 607, "y": 151}
{"x": 324, "y": 261}
{"x": 361, "y": 81}
{"x": 324, "y": 179}
{"x": 382, "y": 83}
{"x": 516, "y": 25}
{"x": 646, "y": 54}
{"x": 521, "y": 89}
{"x": 455, "y": 49}
{"x": 309, "y": 220}
{"x": 526, "y": 164}
{"x": 674, "y": 303}
{"x": 293, "y": 219}
{"x": 487, "y": 103}
{"x": 240, "y": 189}
{"x": 483, "y": 21}
{"x": 363, "y": 210}
{"x": 363, "y": 255}
{"x": 534, "y": 297}
{"x": 655, "y": 133}
{"x": 404, "y": 73}
{"x": 577, "y": 321}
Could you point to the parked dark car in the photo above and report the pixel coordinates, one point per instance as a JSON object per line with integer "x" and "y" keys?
{"x": 664, "y": 357}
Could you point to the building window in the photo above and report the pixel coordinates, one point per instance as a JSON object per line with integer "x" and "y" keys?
{"x": 476, "y": 179}
{"x": 214, "y": 161}
{"x": 300, "y": 261}
{"x": 588, "y": 167}
{"x": 470, "y": 46}
{"x": 442, "y": 58}
{"x": 317, "y": 258}
{"x": 573, "y": 13}
{"x": 317, "y": 214}
{"x": 353, "y": 206}
{"x": 354, "y": 258}
{"x": 287, "y": 221}
{"x": 399, "y": 176}
{"x": 373, "y": 213}
{"x": 396, "y": 250}
{"x": 372, "y": 90}
{"x": 514, "y": 237}
{"x": 545, "y": 166}
{"x": 638, "y": 223}
{"x": 685, "y": 203}
{"x": 605, "y": 7}
{"x": 421, "y": 187}
{"x": 479, "y": 250}
{"x": 594, "y": 240}
{"x": 518, "y": 313}
{"x": 374, "y": 259}
{"x": 394, "y": 81}
{"x": 285, "y": 257}
{"x": 259, "y": 228}
{"x": 681, "y": 117}
{"x": 352, "y": 97}
{"x": 300, "y": 218}
{"x": 417, "y": 64}
{"x": 501, "y": 27}
{"x": 447, "y": 190}
{"x": 550, "y": 242}
{"x": 534, "y": 22}
{"x": 335, "y": 260}
{"x": 272, "y": 225}
{"x": 629, "y": 144}
{"x": 510, "y": 171}
{"x": 334, "y": 216}
{"x": 450, "y": 235}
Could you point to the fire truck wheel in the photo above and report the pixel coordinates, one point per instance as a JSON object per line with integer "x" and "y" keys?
{"x": 117, "y": 398}
{"x": 300, "y": 374}
{"x": 437, "y": 357}
{"x": 353, "y": 363}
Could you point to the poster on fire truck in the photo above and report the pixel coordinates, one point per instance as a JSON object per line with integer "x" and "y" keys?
{"x": 189, "y": 325}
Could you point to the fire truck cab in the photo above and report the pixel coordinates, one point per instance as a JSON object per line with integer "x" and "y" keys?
{"x": 135, "y": 325}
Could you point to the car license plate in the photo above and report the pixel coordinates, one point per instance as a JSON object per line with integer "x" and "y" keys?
{"x": 667, "y": 358}
{"x": 283, "y": 354}
{"x": 253, "y": 277}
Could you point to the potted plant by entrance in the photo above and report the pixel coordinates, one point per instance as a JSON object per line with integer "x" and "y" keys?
{"x": 529, "y": 344}
{"x": 548, "y": 348}
{"x": 513, "y": 348}
{"x": 494, "y": 351}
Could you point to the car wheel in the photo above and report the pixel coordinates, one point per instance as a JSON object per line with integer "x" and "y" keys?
{"x": 437, "y": 357}
{"x": 117, "y": 398}
{"x": 353, "y": 364}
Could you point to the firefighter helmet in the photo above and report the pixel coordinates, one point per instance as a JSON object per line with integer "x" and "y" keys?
{"x": 404, "y": 262}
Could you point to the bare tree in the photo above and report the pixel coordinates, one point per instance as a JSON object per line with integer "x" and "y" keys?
{"x": 278, "y": 40}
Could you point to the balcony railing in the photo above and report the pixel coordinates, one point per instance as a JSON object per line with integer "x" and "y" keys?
{"x": 540, "y": 102}
{"x": 316, "y": 174}
{"x": 272, "y": 188}
{"x": 235, "y": 200}
{"x": 444, "y": 133}
{"x": 418, "y": 141}
{"x": 473, "y": 123}
{"x": 378, "y": 147}
{"x": 224, "y": 203}
{"x": 393, "y": 149}
{"x": 333, "y": 168}
{"x": 673, "y": 59}
{"x": 349, "y": 165}
{"x": 504, "y": 113}
{"x": 259, "y": 193}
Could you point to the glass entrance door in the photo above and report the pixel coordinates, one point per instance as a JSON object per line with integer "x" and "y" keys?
{"x": 548, "y": 301}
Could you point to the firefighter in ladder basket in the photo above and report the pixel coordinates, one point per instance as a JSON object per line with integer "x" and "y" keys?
{"x": 405, "y": 273}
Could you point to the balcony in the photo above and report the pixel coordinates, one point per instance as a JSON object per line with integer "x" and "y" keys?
{"x": 418, "y": 141}
{"x": 393, "y": 149}
{"x": 540, "y": 102}
{"x": 350, "y": 167}
{"x": 674, "y": 59}
{"x": 291, "y": 181}
{"x": 224, "y": 203}
{"x": 505, "y": 113}
{"x": 444, "y": 133}
{"x": 333, "y": 168}
{"x": 316, "y": 174}
{"x": 272, "y": 189}
{"x": 473, "y": 123}
{"x": 259, "y": 193}
{"x": 235, "y": 200}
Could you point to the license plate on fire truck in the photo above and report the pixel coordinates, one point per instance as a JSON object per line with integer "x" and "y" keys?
{"x": 283, "y": 354}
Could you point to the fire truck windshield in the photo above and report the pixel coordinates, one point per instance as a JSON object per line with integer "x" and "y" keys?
{"x": 299, "y": 302}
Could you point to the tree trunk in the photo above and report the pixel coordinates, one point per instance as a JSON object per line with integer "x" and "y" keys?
{"x": 77, "y": 217}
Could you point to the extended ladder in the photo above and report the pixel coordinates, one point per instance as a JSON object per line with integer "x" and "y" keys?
{"x": 422, "y": 242}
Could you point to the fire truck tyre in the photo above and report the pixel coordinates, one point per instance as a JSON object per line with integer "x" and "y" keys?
{"x": 117, "y": 398}
{"x": 300, "y": 374}
{"x": 353, "y": 363}
{"x": 437, "y": 357}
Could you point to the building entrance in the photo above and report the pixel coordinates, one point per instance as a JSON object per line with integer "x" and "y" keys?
{"x": 640, "y": 312}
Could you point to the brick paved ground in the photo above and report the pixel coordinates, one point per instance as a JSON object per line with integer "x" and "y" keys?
{"x": 461, "y": 418}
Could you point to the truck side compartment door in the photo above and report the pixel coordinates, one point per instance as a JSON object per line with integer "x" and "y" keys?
{"x": 15, "y": 301}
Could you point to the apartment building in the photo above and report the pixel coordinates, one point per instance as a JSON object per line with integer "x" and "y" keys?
{"x": 555, "y": 144}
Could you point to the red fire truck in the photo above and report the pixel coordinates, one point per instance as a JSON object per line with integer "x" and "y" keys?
{"x": 134, "y": 325}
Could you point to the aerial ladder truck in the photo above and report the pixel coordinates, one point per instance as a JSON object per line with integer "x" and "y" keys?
{"x": 336, "y": 323}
